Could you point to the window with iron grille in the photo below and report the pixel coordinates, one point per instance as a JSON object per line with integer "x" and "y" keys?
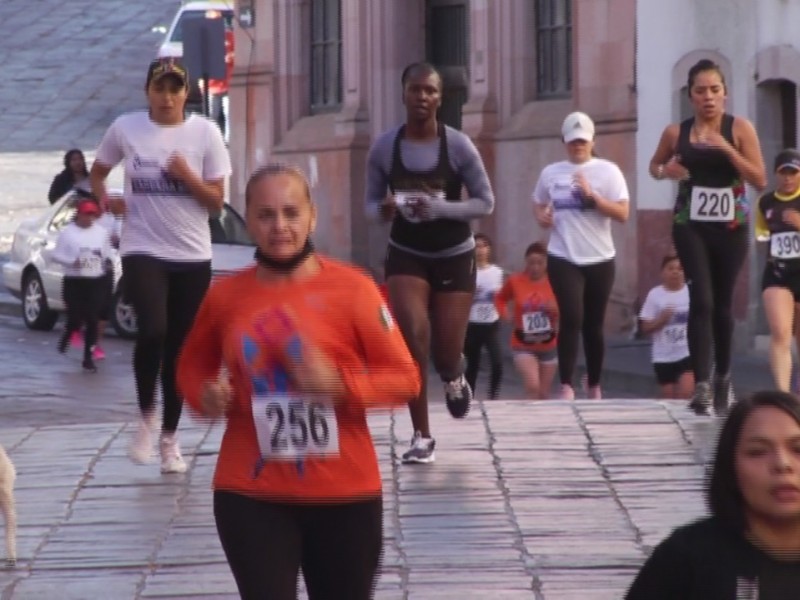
{"x": 326, "y": 55}
{"x": 553, "y": 48}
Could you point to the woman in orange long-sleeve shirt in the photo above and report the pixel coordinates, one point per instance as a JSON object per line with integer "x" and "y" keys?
{"x": 535, "y": 336}
{"x": 308, "y": 345}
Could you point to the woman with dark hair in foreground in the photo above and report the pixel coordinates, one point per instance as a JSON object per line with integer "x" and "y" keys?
{"x": 749, "y": 548}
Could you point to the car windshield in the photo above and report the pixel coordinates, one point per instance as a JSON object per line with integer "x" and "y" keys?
{"x": 193, "y": 15}
{"x": 229, "y": 228}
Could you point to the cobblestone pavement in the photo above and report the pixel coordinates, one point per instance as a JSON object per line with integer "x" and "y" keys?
{"x": 548, "y": 500}
{"x": 70, "y": 67}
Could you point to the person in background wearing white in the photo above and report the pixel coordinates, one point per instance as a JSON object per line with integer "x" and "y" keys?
{"x": 665, "y": 315}
{"x": 83, "y": 247}
{"x": 175, "y": 170}
{"x": 578, "y": 198}
{"x": 483, "y": 329}
{"x": 778, "y": 222}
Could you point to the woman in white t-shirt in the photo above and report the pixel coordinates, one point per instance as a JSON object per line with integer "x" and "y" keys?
{"x": 578, "y": 198}
{"x": 483, "y": 328}
{"x": 83, "y": 248}
{"x": 175, "y": 169}
{"x": 665, "y": 315}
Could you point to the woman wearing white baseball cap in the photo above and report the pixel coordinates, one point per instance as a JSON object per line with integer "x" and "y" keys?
{"x": 578, "y": 198}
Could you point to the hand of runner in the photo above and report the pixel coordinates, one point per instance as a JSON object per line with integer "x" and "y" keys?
{"x": 116, "y": 205}
{"x": 579, "y": 180}
{"x": 216, "y": 397}
{"x": 544, "y": 216}
{"x": 312, "y": 372}
{"x": 713, "y": 139}
{"x": 388, "y": 209}
{"x": 666, "y": 315}
{"x": 791, "y": 217}
{"x": 673, "y": 169}
{"x": 177, "y": 167}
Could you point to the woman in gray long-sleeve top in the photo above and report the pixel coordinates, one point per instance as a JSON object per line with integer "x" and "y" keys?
{"x": 430, "y": 263}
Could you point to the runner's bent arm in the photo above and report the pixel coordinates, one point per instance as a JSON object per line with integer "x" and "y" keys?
{"x": 200, "y": 360}
{"x": 502, "y": 298}
{"x": 377, "y": 179}
{"x": 109, "y": 154}
{"x": 664, "y": 151}
{"x": 747, "y": 157}
{"x": 387, "y": 373}
{"x": 470, "y": 167}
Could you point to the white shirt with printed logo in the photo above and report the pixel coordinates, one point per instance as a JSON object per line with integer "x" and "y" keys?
{"x": 89, "y": 245}
{"x": 580, "y": 235}
{"x": 163, "y": 219}
{"x": 489, "y": 281}
{"x": 670, "y": 343}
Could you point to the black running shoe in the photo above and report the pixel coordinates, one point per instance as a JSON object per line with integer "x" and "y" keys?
{"x": 459, "y": 396}
{"x": 88, "y": 365}
{"x": 701, "y": 400}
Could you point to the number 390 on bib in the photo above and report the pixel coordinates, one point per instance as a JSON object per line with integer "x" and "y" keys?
{"x": 290, "y": 428}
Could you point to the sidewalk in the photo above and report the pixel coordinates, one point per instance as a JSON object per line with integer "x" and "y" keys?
{"x": 550, "y": 501}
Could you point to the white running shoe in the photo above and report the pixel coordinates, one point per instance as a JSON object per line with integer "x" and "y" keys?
{"x": 421, "y": 450}
{"x": 171, "y": 459}
{"x": 140, "y": 449}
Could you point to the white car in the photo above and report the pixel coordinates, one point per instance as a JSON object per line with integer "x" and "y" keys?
{"x": 36, "y": 280}
{"x": 172, "y": 46}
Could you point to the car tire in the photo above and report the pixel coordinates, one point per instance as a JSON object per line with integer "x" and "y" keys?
{"x": 123, "y": 319}
{"x": 35, "y": 312}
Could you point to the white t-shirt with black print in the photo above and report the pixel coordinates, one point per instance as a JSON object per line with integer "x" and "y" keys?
{"x": 489, "y": 281}
{"x": 670, "y": 343}
{"x": 163, "y": 219}
{"x": 580, "y": 234}
{"x": 83, "y": 251}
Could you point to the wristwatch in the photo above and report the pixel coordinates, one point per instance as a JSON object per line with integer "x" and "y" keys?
{"x": 660, "y": 172}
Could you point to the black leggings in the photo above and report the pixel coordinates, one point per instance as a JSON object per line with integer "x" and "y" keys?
{"x": 582, "y": 293}
{"x": 84, "y": 297}
{"x": 478, "y": 336}
{"x": 711, "y": 259}
{"x": 338, "y": 546}
{"x": 165, "y": 297}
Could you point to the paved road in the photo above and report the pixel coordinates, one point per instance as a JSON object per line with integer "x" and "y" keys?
{"x": 69, "y": 68}
{"x": 549, "y": 500}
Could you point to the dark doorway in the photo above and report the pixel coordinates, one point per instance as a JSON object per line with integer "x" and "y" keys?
{"x": 447, "y": 48}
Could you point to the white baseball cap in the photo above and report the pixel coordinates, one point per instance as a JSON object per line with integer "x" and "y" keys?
{"x": 577, "y": 126}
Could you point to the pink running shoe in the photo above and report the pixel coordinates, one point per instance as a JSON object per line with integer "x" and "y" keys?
{"x": 98, "y": 353}
{"x": 76, "y": 339}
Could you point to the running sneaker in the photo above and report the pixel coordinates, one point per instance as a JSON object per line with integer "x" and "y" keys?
{"x": 592, "y": 392}
{"x": 421, "y": 450}
{"x": 98, "y": 353}
{"x": 88, "y": 365}
{"x": 76, "y": 339}
{"x": 567, "y": 393}
{"x": 140, "y": 449}
{"x": 723, "y": 394}
{"x": 458, "y": 395}
{"x": 171, "y": 458}
{"x": 702, "y": 399}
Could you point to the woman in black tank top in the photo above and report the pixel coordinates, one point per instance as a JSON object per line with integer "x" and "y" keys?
{"x": 712, "y": 156}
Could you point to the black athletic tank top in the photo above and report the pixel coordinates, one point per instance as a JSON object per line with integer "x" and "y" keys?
{"x": 709, "y": 167}
{"x": 781, "y": 248}
{"x": 427, "y": 236}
